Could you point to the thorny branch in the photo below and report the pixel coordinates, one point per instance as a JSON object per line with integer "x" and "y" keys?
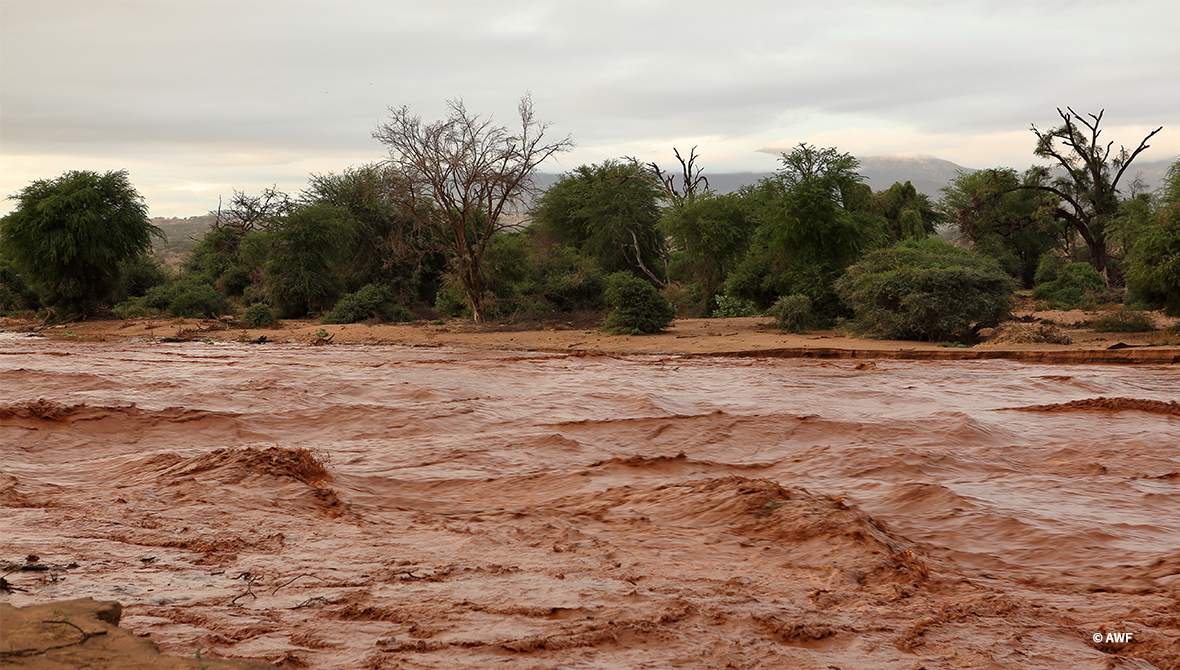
{"x": 249, "y": 588}
{"x": 250, "y": 212}
{"x": 290, "y": 581}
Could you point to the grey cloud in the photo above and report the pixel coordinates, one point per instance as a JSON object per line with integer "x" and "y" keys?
{"x": 138, "y": 78}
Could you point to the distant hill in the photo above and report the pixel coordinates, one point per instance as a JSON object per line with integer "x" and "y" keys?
{"x": 1150, "y": 172}
{"x": 926, "y": 173}
{"x": 180, "y": 235}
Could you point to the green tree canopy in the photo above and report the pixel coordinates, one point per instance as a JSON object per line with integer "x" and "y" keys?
{"x": 1088, "y": 185}
{"x": 1015, "y": 226}
{"x": 1151, "y": 237}
{"x": 814, "y": 218}
{"x": 387, "y": 247}
{"x": 609, "y": 212}
{"x": 305, "y": 246}
{"x": 907, "y": 213}
{"x": 69, "y": 235}
{"x": 711, "y": 233}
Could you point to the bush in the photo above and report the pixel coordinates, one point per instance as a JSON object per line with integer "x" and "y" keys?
{"x": 1071, "y": 287}
{"x": 686, "y": 299}
{"x": 198, "y": 300}
{"x": 636, "y": 306}
{"x": 926, "y": 290}
{"x": 729, "y": 307}
{"x": 258, "y": 315}
{"x": 191, "y": 297}
{"x": 372, "y": 301}
{"x": 449, "y": 301}
{"x": 1123, "y": 320}
{"x": 531, "y": 274}
{"x": 140, "y": 274}
{"x": 15, "y": 293}
{"x": 133, "y": 308}
{"x": 298, "y": 274}
{"x": 1048, "y": 268}
{"x": 793, "y": 313}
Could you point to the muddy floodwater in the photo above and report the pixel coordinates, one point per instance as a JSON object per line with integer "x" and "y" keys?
{"x": 354, "y": 506}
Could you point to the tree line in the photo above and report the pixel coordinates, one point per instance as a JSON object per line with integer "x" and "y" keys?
{"x": 451, "y": 224}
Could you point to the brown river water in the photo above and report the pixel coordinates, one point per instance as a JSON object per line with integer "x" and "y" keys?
{"x": 353, "y": 506}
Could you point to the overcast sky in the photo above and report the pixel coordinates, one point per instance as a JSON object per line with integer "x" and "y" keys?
{"x": 199, "y": 98}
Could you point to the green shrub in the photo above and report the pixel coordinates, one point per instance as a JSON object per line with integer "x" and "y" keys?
{"x": 299, "y": 273}
{"x": 925, "y": 290}
{"x": 140, "y": 274}
{"x": 686, "y": 299}
{"x": 372, "y": 301}
{"x": 1153, "y": 250}
{"x": 15, "y": 293}
{"x": 258, "y": 315}
{"x": 1123, "y": 320}
{"x": 1048, "y": 268}
{"x": 636, "y": 306}
{"x": 1071, "y": 287}
{"x": 198, "y": 300}
{"x": 792, "y": 313}
{"x": 729, "y": 307}
{"x": 252, "y": 295}
{"x": 134, "y": 308}
{"x": 450, "y": 301}
{"x": 157, "y": 299}
{"x": 192, "y": 297}
{"x": 235, "y": 280}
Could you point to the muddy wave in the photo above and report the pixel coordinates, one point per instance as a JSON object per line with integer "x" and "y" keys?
{"x": 298, "y": 463}
{"x": 48, "y": 410}
{"x": 1171, "y": 408}
{"x": 384, "y": 507}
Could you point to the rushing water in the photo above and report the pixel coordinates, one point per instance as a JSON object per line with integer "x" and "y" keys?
{"x": 533, "y": 510}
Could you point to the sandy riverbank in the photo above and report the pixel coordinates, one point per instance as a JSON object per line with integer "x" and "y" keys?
{"x": 710, "y": 337}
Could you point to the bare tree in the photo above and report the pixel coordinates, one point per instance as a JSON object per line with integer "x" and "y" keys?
{"x": 252, "y": 212}
{"x": 462, "y": 174}
{"x": 692, "y": 182}
{"x": 1089, "y": 189}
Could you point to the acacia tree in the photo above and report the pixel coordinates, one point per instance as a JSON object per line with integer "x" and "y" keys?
{"x": 69, "y": 235}
{"x": 608, "y": 214}
{"x": 252, "y": 212}
{"x": 387, "y": 247}
{"x": 462, "y": 175}
{"x": 813, "y": 221}
{"x": 1002, "y": 220}
{"x": 1089, "y": 189}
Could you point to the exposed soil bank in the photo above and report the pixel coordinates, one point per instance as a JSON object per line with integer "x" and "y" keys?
{"x": 744, "y": 337}
{"x": 85, "y": 634}
{"x": 388, "y": 506}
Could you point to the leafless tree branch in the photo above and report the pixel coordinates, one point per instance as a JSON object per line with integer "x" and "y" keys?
{"x": 461, "y": 175}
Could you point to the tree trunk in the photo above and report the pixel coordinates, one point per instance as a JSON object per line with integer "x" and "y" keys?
{"x": 477, "y": 306}
{"x": 1098, "y": 259}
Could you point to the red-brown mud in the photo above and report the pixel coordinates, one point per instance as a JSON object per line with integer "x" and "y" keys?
{"x": 397, "y": 507}
{"x": 1109, "y": 405}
